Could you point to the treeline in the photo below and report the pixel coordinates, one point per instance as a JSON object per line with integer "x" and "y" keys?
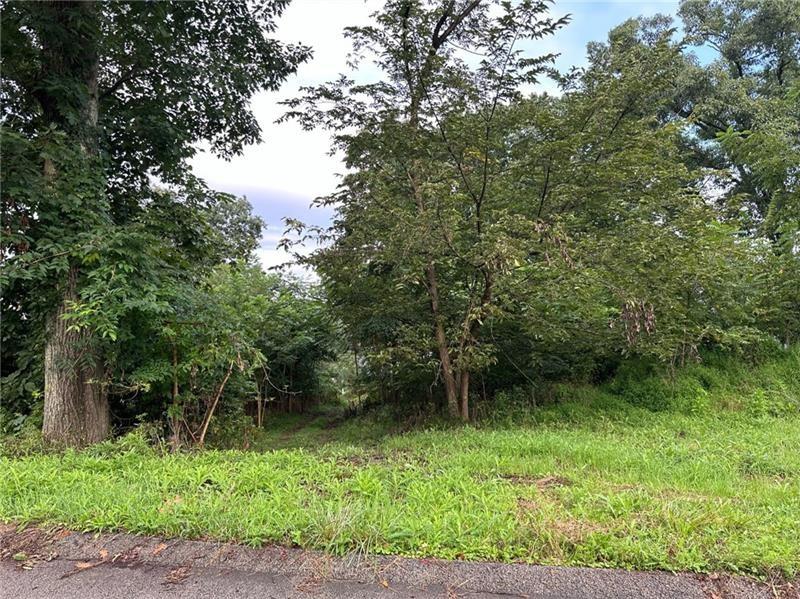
{"x": 485, "y": 236}
{"x": 129, "y": 288}
{"x": 190, "y": 334}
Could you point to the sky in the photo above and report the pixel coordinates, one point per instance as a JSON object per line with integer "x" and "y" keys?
{"x": 283, "y": 174}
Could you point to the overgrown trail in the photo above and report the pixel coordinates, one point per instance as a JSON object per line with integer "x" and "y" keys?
{"x": 321, "y": 426}
{"x": 310, "y": 421}
{"x": 37, "y": 564}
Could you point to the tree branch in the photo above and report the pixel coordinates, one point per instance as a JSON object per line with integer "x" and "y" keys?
{"x": 117, "y": 85}
{"x": 438, "y": 39}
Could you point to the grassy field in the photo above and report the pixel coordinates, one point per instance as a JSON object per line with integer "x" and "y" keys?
{"x": 591, "y": 481}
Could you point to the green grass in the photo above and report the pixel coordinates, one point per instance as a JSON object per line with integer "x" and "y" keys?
{"x": 594, "y": 481}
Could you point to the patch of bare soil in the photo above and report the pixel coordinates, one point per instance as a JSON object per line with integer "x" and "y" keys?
{"x": 724, "y": 586}
{"x": 30, "y": 546}
{"x": 527, "y": 506}
{"x": 553, "y": 481}
{"x": 545, "y": 482}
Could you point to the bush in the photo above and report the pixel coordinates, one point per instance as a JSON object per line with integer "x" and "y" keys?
{"x": 231, "y": 430}
{"x": 766, "y": 386}
{"x": 21, "y": 434}
{"x": 145, "y": 439}
{"x": 28, "y": 441}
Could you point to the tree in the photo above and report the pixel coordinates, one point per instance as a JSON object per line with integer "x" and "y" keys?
{"x": 745, "y": 105}
{"x": 427, "y": 147}
{"x": 547, "y": 235}
{"x": 99, "y": 99}
{"x": 625, "y": 256}
{"x": 231, "y": 336}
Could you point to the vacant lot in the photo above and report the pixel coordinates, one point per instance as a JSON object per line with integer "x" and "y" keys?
{"x": 591, "y": 483}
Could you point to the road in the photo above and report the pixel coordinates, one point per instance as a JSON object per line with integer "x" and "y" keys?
{"x": 38, "y": 564}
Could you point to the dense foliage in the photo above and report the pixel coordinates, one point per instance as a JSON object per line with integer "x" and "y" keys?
{"x": 489, "y": 241}
{"x": 649, "y": 211}
{"x": 110, "y": 243}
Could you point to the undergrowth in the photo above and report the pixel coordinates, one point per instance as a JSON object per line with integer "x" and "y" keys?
{"x": 696, "y": 471}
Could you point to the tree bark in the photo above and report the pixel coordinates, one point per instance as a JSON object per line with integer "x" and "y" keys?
{"x": 75, "y": 399}
{"x": 463, "y": 390}
{"x": 76, "y": 411}
{"x": 450, "y": 388}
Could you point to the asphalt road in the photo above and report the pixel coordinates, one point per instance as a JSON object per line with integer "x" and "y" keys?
{"x": 59, "y": 564}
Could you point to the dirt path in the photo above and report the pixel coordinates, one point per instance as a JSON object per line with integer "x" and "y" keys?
{"x": 58, "y": 563}
{"x": 308, "y": 421}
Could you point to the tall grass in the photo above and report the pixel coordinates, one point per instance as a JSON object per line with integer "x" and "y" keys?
{"x": 604, "y": 477}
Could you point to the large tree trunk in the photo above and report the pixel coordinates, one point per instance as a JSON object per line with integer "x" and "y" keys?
{"x": 76, "y": 411}
{"x": 75, "y": 398}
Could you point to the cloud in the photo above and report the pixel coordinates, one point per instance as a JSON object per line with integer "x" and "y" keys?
{"x": 272, "y": 258}
{"x": 290, "y": 159}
